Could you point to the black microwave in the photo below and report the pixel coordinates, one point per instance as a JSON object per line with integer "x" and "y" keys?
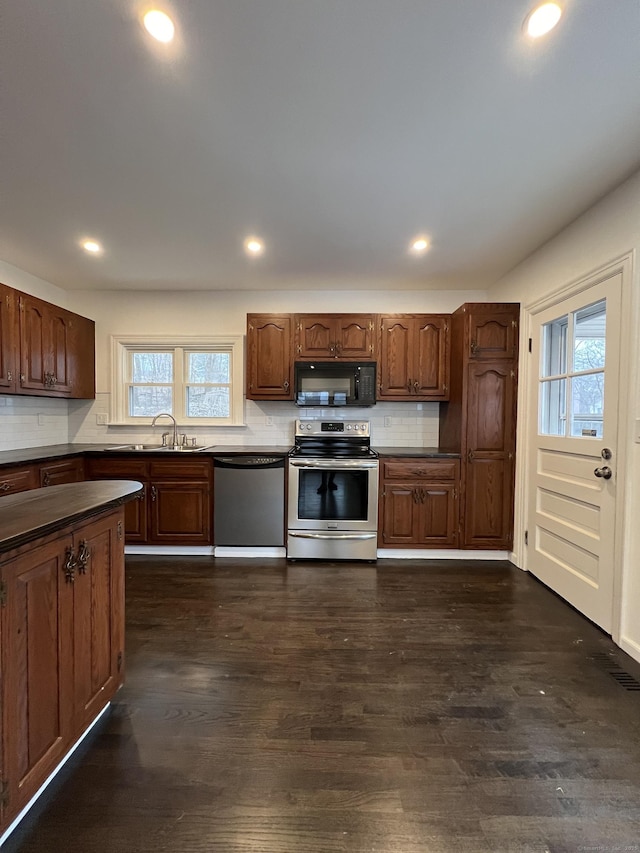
{"x": 335, "y": 383}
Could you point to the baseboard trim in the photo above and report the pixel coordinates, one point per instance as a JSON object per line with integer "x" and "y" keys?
{"x": 630, "y": 647}
{"x": 275, "y": 553}
{"x": 439, "y": 554}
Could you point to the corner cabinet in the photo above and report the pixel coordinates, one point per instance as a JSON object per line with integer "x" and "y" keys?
{"x": 480, "y": 419}
{"x": 269, "y": 357}
{"x": 413, "y": 357}
{"x": 348, "y": 337}
{"x": 62, "y": 632}
{"x": 45, "y": 350}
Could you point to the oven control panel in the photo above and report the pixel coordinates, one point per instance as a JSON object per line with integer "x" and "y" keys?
{"x": 310, "y": 427}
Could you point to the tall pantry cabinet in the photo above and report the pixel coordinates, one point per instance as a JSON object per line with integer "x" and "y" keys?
{"x": 479, "y": 420}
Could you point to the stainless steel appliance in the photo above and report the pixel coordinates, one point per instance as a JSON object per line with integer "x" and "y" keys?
{"x": 335, "y": 383}
{"x": 333, "y": 492}
{"x": 248, "y": 500}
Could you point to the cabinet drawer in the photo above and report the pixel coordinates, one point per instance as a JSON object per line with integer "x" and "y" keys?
{"x": 13, "y": 480}
{"x": 64, "y": 471}
{"x": 119, "y": 469}
{"x": 180, "y": 469}
{"x": 421, "y": 469}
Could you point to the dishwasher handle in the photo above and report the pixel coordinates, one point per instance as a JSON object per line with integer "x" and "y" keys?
{"x": 244, "y": 462}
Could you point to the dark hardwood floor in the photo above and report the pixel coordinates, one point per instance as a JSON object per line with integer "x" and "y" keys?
{"x": 408, "y": 707}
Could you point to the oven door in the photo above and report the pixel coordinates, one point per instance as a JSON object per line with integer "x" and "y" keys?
{"x": 333, "y": 494}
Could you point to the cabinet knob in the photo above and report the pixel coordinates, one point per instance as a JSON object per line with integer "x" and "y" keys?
{"x": 285, "y": 384}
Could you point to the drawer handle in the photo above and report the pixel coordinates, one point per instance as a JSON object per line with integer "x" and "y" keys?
{"x": 46, "y": 480}
{"x": 5, "y": 487}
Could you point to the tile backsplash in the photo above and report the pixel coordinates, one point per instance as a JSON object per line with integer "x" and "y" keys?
{"x": 35, "y": 421}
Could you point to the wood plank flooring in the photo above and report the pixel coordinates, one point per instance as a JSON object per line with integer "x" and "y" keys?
{"x": 403, "y": 707}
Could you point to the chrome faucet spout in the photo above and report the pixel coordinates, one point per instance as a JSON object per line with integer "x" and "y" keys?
{"x": 175, "y": 425}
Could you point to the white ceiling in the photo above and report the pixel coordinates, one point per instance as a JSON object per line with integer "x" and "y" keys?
{"x": 335, "y": 129}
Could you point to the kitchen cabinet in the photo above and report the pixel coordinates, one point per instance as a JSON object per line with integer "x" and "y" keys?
{"x": 17, "y": 478}
{"x": 176, "y": 505}
{"x": 480, "y": 419}
{"x": 62, "y": 634}
{"x": 269, "y": 357}
{"x": 45, "y": 350}
{"x": 8, "y": 341}
{"x": 419, "y": 503}
{"x": 349, "y": 337}
{"x": 61, "y": 471}
{"x": 414, "y": 357}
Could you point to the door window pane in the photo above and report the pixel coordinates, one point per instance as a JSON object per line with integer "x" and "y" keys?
{"x": 553, "y": 407}
{"x": 587, "y": 405}
{"x": 589, "y": 337}
{"x": 145, "y": 401}
{"x": 554, "y": 347}
{"x": 207, "y": 402}
{"x": 152, "y": 367}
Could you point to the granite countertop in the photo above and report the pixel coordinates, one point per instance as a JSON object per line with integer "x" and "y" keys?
{"x": 50, "y": 451}
{"x": 417, "y": 452}
{"x": 31, "y": 514}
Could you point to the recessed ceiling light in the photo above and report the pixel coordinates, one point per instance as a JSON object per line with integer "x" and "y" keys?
{"x": 253, "y": 246}
{"x": 91, "y": 246}
{"x": 159, "y": 25}
{"x": 542, "y": 19}
{"x": 419, "y": 245}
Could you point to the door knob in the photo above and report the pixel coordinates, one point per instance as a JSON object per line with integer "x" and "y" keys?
{"x": 605, "y": 472}
{"x": 606, "y": 453}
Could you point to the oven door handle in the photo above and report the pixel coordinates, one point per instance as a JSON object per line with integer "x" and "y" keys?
{"x": 333, "y": 535}
{"x": 333, "y": 464}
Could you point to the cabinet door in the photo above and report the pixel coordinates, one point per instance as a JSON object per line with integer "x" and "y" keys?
{"x": 8, "y": 340}
{"x": 180, "y": 512}
{"x": 269, "y": 357}
{"x": 14, "y": 480}
{"x": 396, "y": 358}
{"x": 44, "y": 348}
{"x": 37, "y": 683}
{"x": 316, "y": 336}
{"x": 64, "y": 471}
{"x": 488, "y": 464}
{"x": 398, "y": 515}
{"x": 82, "y": 358}
{"x": 98, "y": 614}
{"x": 354, "y": 337}
{"x": 493, "y": 334}
{"x": 59, "y": 349}
{"x": 431, "y": 358}
{"x": 438, "y": 515}
{"x": 108, "y": 467}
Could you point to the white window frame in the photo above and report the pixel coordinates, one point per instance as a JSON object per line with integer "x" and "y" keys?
{"x": 122, "y": 345}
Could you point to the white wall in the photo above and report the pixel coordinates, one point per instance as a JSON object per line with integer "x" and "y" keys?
{"x": 609, "y": 230}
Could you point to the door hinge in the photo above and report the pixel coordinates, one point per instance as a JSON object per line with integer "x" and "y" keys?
{"x": 530, "y": 345}
{"x": 526, "y": 537}
{"x": 3, "y": 594}
{"x": 119, "y": 661}
{"x": 4, "y": 793}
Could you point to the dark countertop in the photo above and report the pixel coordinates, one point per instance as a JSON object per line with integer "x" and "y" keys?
{"x": 50, "y": 451}
{"x": 29, "y": 515}
{"x": 417, "y": 452}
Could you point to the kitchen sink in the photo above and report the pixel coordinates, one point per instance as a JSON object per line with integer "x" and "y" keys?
{"x": 142, "y": 448}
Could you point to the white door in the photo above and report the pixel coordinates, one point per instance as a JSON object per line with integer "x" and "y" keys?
{"x": 572, "y": 431}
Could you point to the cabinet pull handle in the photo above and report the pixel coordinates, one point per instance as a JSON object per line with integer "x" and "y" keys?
{"x": 69, "y": 565}
{"x": 474, "y": 347}
{"x": 4, "y": 487}
{"x": 409, "y": 386}
{"x": 46, "y": 480}
{"x": 445, "y": 388}
{"x": 416, "y": 385}
{"x": 470, "y": 456}
{"x": 416, "y": 496}
{"x": 154, "y": 493}
{"x": 84, "y": 553}
{"x": 285, "y": 384}
{"x": 9, "y": 375}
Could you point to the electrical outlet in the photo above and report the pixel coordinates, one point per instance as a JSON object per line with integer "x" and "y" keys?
{"x": 41, "y": 420}
{"x": 269, "y": 420}
{"x": 387, "y": 421}
{"x": 101, "y": 419}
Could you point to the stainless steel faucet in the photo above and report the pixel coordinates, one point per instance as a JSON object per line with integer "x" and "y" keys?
{"x": 175, "y": 425}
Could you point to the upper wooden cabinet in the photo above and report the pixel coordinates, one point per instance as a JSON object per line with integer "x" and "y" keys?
{"x": 269, "y": 357}
{"x": 350, "y": 337}
{"x": 8, "y": 341}
{"x": 45, "y": 350}
{"x": 491, "y": 330}
{"x": 413, "y": 357}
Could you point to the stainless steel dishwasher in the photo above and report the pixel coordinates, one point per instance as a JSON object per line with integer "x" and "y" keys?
{"x": 248, "y": 500}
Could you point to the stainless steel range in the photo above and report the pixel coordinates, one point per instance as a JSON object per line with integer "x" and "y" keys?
{"x": 333, "y": 492}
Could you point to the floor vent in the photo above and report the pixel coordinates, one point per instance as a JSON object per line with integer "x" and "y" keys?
{"x": 623, "y": 678}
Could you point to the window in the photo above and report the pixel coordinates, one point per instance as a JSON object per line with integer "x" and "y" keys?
{"x": 572, "y": 376}
{"x": 198, "y": 381}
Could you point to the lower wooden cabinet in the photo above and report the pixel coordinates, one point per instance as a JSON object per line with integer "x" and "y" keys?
{"x": 419, "y": 503}
{"x": 176, "y": 506}
{"x": 62, "y": 634}
{"x": 62, "y": 471}
{"x": 18, "y": 479}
